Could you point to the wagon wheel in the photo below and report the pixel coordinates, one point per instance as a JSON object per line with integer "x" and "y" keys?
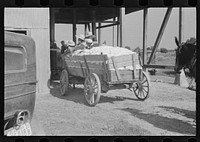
{"x": 64, "y": 82}
{"x": 92, "y": 89}
{"x": 142, "y": 88}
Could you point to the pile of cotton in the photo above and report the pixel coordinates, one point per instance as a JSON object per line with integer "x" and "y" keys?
{"x": 105, "y": 50}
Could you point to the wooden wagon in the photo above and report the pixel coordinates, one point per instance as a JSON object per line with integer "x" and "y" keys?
{"x": 100, "y": 73}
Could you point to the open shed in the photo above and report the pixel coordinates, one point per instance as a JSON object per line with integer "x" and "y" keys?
{"x": 39, "y": 23}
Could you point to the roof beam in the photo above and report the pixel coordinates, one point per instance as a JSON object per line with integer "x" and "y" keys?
{"x": 107, "y": 25}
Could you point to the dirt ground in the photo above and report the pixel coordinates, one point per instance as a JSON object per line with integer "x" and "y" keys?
{"x": 169, "y": 110}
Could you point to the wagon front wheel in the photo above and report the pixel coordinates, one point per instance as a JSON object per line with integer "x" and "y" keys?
{"x": 92, "y": 89}
{"x": 64, "y": 82}
{"x": 142, "y": 87}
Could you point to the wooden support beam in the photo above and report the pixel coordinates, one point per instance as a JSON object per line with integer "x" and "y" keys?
{"x": 118, "y": 37}
{"x": 122, "y": 26}
{"x": 145, "y": 17}
{"x": 162, "y": 29}
{"x": 99, "y": 34}
{"x": 94, "y": 32}
{"x": 180, "y": 25}
{"x": 52, "y": 25}
{"x": 94, "y": 25}
{"x": 109, "y": 25}
{"x": 88, "y": 27}
{"x": 113, "y": 28}
{"x": 113, "y": 36}
{"x": 74, "y": 25}
{"x": 99, "y": 21}
{"x": 85, "y": 29}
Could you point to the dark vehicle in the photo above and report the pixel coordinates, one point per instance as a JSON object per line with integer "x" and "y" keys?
{"x": 20, "y": 83}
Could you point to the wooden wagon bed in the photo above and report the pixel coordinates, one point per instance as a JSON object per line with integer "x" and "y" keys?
{"x": 110, "y": 69}
{"x": 100, "y": 73}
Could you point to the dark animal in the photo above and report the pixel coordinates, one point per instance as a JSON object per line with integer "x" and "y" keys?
{"x": 186, "y": 58}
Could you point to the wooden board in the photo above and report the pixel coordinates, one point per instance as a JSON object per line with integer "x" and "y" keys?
{"x": 83, "y": 65}
{"x": 125, "y": 60}
{"x": 106, "y": 68}
{"x": 126, "y": 75}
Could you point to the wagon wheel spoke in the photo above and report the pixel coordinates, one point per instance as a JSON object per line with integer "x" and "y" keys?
{"x": 63, "y": 88}
{"x": 92, "y": 89}
{"x": 87, "y": 81}
{"x": 143, "y": 87}
{"x": 143, "y": 95}
{"x": 144, "y": 81}
{"x": 64, "y": 82}
{"x": 139, "y": 93}
{"x": 93, "y": 81}
{"x": 92, "y": 99}
{"x": 144, "y": 90}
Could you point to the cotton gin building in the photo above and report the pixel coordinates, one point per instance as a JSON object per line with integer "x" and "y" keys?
{"x": 33, "y": 22}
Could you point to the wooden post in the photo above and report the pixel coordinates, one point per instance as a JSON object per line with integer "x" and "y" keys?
{"x": 89, "y": 27}
{"x": 113, "y": 27}
{"x": 94, "y": 31}
{"x": 94, "y": 25}
{"x": 180, "y": 25}
{"x": 122, "y": 26}
{"x": 118, "y": 39}
{"x": 145, "y": 17}
{"x": 99, "y": 34}
{"x": 113, "y": 33}
{"x": 52, "y": 25}
{"x": 85, "y": 29}
{"x": 162, "y": 29}
{"x": 74, "y": 25}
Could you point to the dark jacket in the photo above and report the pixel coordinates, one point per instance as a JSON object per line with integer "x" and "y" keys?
{"x": 63, "y": 48}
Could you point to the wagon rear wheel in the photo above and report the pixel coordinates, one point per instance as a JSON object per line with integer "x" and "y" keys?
{"x": 92, "y": 89}
{"x": 142, "y": 88}
{"x": 64, "y": 82}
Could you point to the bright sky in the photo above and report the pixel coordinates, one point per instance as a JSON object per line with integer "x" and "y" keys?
{"x": 134, "y": 28}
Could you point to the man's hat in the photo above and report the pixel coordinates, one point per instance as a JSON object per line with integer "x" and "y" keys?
{"x": 71, "y": 43}
{"x": 81, "y": 36}
{"x": 89, "y": 34}
{"x": 88, "y": 41}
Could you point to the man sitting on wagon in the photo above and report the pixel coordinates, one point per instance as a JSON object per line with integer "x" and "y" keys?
{"x": 67, "y": 47}
{"x": 71, "y": 47}
{"x": 89, "y": 40}
{"x": 81, "y": 42}
{"x": 64, "y": 46}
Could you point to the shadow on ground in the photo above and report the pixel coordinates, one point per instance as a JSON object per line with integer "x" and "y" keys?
{"x": 76, "y": 95}
{"x": 161, "y": 122}
{"x": 107, "y": 99}
{"x": 169, "y": 72}
{"x": 184, "y": 112}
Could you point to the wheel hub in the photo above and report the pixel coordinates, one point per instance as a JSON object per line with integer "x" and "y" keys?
{"x": 140, "y": 86}
{"x": 90, "y": 89}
